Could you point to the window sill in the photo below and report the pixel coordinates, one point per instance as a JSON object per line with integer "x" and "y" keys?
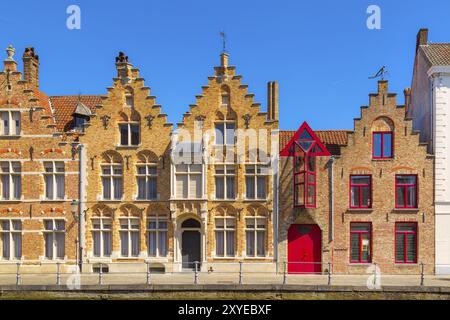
{"x": 55, "y": 200}
{"x": 224, "y": 200}
{"x": 110, "y": 200}
{"x": 255, "y": 200}
{"x": 10, "y": 137}
{"x": 128, "y": 147}
{"x": 364, "y": 210}
{"x": 412, "y": 264}
{"x": 188, "y": 199}
{"x": 406, "y": 210}
{"x": 11, "y": 201}
{"x": 383, "y": 159}
{"x": 224, "y": 258}
{"x": 147, "y": 200}
{"x": 156, "y": 259}
{"x": 99, "y": 259}
{"x": 361, "y": 264}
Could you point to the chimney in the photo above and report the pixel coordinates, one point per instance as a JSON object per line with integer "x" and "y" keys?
{"x": 407, "y": 93}
{"x": 9, "y": 63}
{"x": 422, "y": 38}
{"x": 123, "y": 68}
{"x": 272, "y": 101}
{"x": 31, "y": 67}
{"x": 224, "y": 59}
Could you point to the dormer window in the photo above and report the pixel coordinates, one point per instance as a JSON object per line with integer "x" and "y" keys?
{"x": 305, "y": 171}
{"x": 81, "y": 116}
{"x": 10, "y": 123}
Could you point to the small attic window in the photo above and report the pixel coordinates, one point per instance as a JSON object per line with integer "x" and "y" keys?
{"x": 225, "y": 96}
{"x": 81, "y": 116}
{"x": 129, "y": 98}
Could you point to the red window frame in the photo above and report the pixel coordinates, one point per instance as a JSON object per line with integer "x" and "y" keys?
{"x": 360, "y": 233}
{"x": 360, "y": 186}
{"x": 405, "y": 249}
{"x": 309, "y": 176}
{"x": 382, "y": 133}
{"x": 406, "y": 186}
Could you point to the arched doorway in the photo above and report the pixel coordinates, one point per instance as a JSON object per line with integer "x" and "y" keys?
{"x": 191, "y": 244}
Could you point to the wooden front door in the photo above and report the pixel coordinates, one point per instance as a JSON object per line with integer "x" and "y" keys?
{"x": 304, "y": 248}
{"x": 190, "y": 249}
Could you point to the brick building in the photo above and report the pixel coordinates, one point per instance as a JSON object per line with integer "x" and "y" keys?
{"x": 93, "y": 179}
{"x": 358, "y": 197}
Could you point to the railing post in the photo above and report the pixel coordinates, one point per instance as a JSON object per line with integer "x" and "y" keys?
{"x": 285, "y": 273}
{"x": 18, "y": 278}
{"x": 58, "y": 273}
{"x": 422, "y": 275}
{"x": 100, "y": 275}
{"x": 240, "y": 272}
{"x": 148, "y": 273}
{"x": 196, "y": 273}
{"x": 329, "y": 273}
{"x": 375, "y": 274}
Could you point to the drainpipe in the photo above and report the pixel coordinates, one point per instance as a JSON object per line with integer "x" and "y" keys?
{"x": 275, "y": 191}
{"x": 331, "y": 174}
{"x": 82, "y": 205}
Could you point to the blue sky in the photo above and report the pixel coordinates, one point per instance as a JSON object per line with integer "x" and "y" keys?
{"x": 321, "y": 52}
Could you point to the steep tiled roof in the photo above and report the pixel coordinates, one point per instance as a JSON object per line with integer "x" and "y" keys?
{"x": 332, "y": 139}
{"x": 437, "y": 54}
{"x": 64, "y": 107}
{"x": 44, "y": 101}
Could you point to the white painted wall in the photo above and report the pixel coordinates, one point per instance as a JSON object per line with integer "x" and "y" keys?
{"x": 440, "y": 80}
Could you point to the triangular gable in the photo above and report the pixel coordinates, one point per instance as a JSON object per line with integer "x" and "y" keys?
{"x": 305, "y": 129}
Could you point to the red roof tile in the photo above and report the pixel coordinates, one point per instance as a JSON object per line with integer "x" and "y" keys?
{"x": 64, "y": 107}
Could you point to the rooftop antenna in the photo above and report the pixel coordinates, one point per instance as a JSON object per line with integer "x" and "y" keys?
{"x": 224, "y": 41}
{"x": 380, "y": 74}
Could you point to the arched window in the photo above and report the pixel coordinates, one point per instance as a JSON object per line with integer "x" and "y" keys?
{"x": 146, "y": 175}
{"x": 225, "y": 127}
{"x": 129, "y": 232}
{"x": 112, "y": 176}
{"x": 129, "y": 130}
{"x": 382, "y": 138}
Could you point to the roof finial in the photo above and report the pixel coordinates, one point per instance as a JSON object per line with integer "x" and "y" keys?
{"x": 10, "y": 51}
{"x": 224, "y": 41}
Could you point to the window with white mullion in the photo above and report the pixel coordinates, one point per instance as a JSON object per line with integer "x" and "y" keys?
{"x": 54, "y": 238}
{"x": 157, "y": 229}
{"x": 225, "y": 228}
{"x": 255, "y": 231}
{"x": 112, "y": 181}
{"x": 54, "y": 180}
{"x": 256, "y": 181}
{"x": 129, "y": 134}
{"x": 225, "y": 132}
{"x": 225, "y": 182}
{"x": 102, "y": 236}
{"x": 188, "y": 181}
{"x": 11, "y": 181}
{"x": 10, "y": 123}
{"x": 146, "y": 180}
{"x": 11, "y": 240}
{"x": 129, "y": 237}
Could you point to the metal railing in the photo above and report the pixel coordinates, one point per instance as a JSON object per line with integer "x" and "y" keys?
{"x": 292, "y": 273}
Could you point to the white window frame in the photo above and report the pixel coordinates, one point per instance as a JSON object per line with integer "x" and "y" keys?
{"x": 10, "y": 174}
{"x": 129, "y": 230}
{"x": 102, "y": 221}
{"x": 157, "y": 231}
{"x": 189, "y": 173}
{"x": 225, "y": 229}
{"x": 12, "y": 130}
{"x": 129, "y": 124}
{"x": 53, "y": 165}
{"x": 53, "y": 232}
{"x": 255, "y": 231}
{"x": 227, "y": 123}
{"x": 112, "y": 175}
{"x": 147, "y": 176}
{"x": 224, "y": 177}
{"x": 10, "y": 232}
{"x": 263, "y": 172}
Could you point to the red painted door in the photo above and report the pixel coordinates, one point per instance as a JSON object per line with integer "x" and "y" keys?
{"x": 304, "y": 246}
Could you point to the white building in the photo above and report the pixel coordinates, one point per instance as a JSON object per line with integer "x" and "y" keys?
{"x": 429, "y": 106}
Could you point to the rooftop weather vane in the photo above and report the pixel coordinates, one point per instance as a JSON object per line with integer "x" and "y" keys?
{"x": 224, "y": 41}
{"x": 381, "y": 73}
